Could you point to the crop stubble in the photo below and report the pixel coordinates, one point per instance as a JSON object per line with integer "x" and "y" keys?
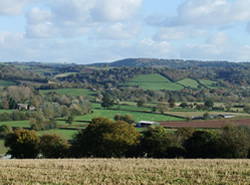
{"x": 125, "y": 171}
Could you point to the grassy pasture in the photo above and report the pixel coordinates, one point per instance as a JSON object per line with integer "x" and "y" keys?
{"x": 3, "y": 150}
{"x": 5, "y": 110}
{"x": 72, "y": 91}
{"x": 137, "y": 115}
{"x": 6, "y": 83}
{"x": 208, "y": 83}
{"x": 23, "y": 124}
{"x": 67, "y": 134}
{"x": 188, "y": 82}
{"x": 124, "y": 171}
{"x": 64, "y": 74}
{"x": 153, "y": 82}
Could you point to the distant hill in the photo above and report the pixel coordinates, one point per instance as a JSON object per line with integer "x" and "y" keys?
{"x": 173, "y": 63}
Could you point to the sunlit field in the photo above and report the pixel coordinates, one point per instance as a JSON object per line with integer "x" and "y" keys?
{"x": 124, "y": 171}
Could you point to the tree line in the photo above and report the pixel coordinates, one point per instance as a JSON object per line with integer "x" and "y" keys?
{"x": 106, "y": 138}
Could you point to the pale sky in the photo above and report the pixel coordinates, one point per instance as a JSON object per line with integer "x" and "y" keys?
{"x": 89, "y": 31}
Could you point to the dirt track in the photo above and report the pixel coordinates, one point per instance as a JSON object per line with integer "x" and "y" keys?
{"x": 205, "y": 124}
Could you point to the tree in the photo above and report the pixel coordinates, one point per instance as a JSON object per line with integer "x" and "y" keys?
{"x": 184, "y": 105}
{"x": 54, "y": 146}
{"x": 162, "y": 107}
{"x": 228, "y": 106}
{"x": 206, "y": 116}
{"x": 209, "y": 103}
{"x": 140, "y": 103}
{"x": 154, "y": 143}
{"x": 107, "y": 102}
{"x": 22, "y": 144}
{"x": 70, "y": 120}
{"x": 234, "y": 141}
{"x": 171, "y": 102}
{"x": 12, "y": 104}
{"x": 127, "y": 118}
{"x": 246, "y": 108}
{"x": 203, "y": 144}
{"x": 105, "y": 138}
{"x": 185, "y": 132}
{"x": 4, "y": 130}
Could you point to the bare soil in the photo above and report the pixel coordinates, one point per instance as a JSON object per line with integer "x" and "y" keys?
{"x": 206, "y": 124}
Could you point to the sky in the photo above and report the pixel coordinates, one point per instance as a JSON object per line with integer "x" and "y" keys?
{"x": 91, "y": 31}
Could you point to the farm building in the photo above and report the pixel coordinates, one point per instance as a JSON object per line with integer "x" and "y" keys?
{"x": 22, "y": 105}
{"x": 146, "y": 123}
{"x": 227, "y": 115}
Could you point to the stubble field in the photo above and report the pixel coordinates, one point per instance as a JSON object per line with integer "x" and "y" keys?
{"x": 125, "y": 171}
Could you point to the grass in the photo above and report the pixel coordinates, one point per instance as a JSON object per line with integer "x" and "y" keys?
{"x": 153, "y": 82}
{"x": 3, "y": 149}
{"x": 67, "y": 134}
{"x": 64, "y": 74}
{"x": 188, "y": 82}
{"x": 208, "y": 83}
{"x": 6, "y": 83}
{"x": 124, "y": 171}
{"x": 23, "y": 124}
{"x": 72, "y": 91}
{"x": 5, "y": 110}
{"x": 136, "y": 115}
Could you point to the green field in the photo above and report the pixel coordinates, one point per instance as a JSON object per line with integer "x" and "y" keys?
{"x": 3, "y": 150}
{"x": 5, "y": 110}
{"x": 153, "y": 82}
{"x": 23, "y": 124}
{"x": 208, "y": 83}
{"x": 72, "y": 91}
{"x": 6, "y": 83}
{"x": 188, "y": 82}
{"x": 123, "y": 107}
{"x": 67, "y": 134}
{"x": 64, "y": 74}
{"x": 138, "y": 116}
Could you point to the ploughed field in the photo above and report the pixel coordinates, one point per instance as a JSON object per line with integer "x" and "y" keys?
{"x": 125, "y": 171}
{"x": 206, "y": 124}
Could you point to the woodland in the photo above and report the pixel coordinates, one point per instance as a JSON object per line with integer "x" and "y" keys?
{"x": 73, "y": 94}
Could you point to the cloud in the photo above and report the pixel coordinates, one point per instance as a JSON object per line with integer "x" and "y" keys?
{"x": 218, "y": 39}
{"x": 113, "y": 10}
{"x": 170, "y": 34}
{"x": 223, "y": 49}
{"x": 71, "y": 18}
{"x": 119, "y": 31}
{"x": 12, "y": 7}
{"x": 207, "y": 13}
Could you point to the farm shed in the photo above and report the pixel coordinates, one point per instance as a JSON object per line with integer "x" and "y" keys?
{"x": 227, "y": 115}
{"x": 146, "y": 123}
{"x": 22, "y": 105}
